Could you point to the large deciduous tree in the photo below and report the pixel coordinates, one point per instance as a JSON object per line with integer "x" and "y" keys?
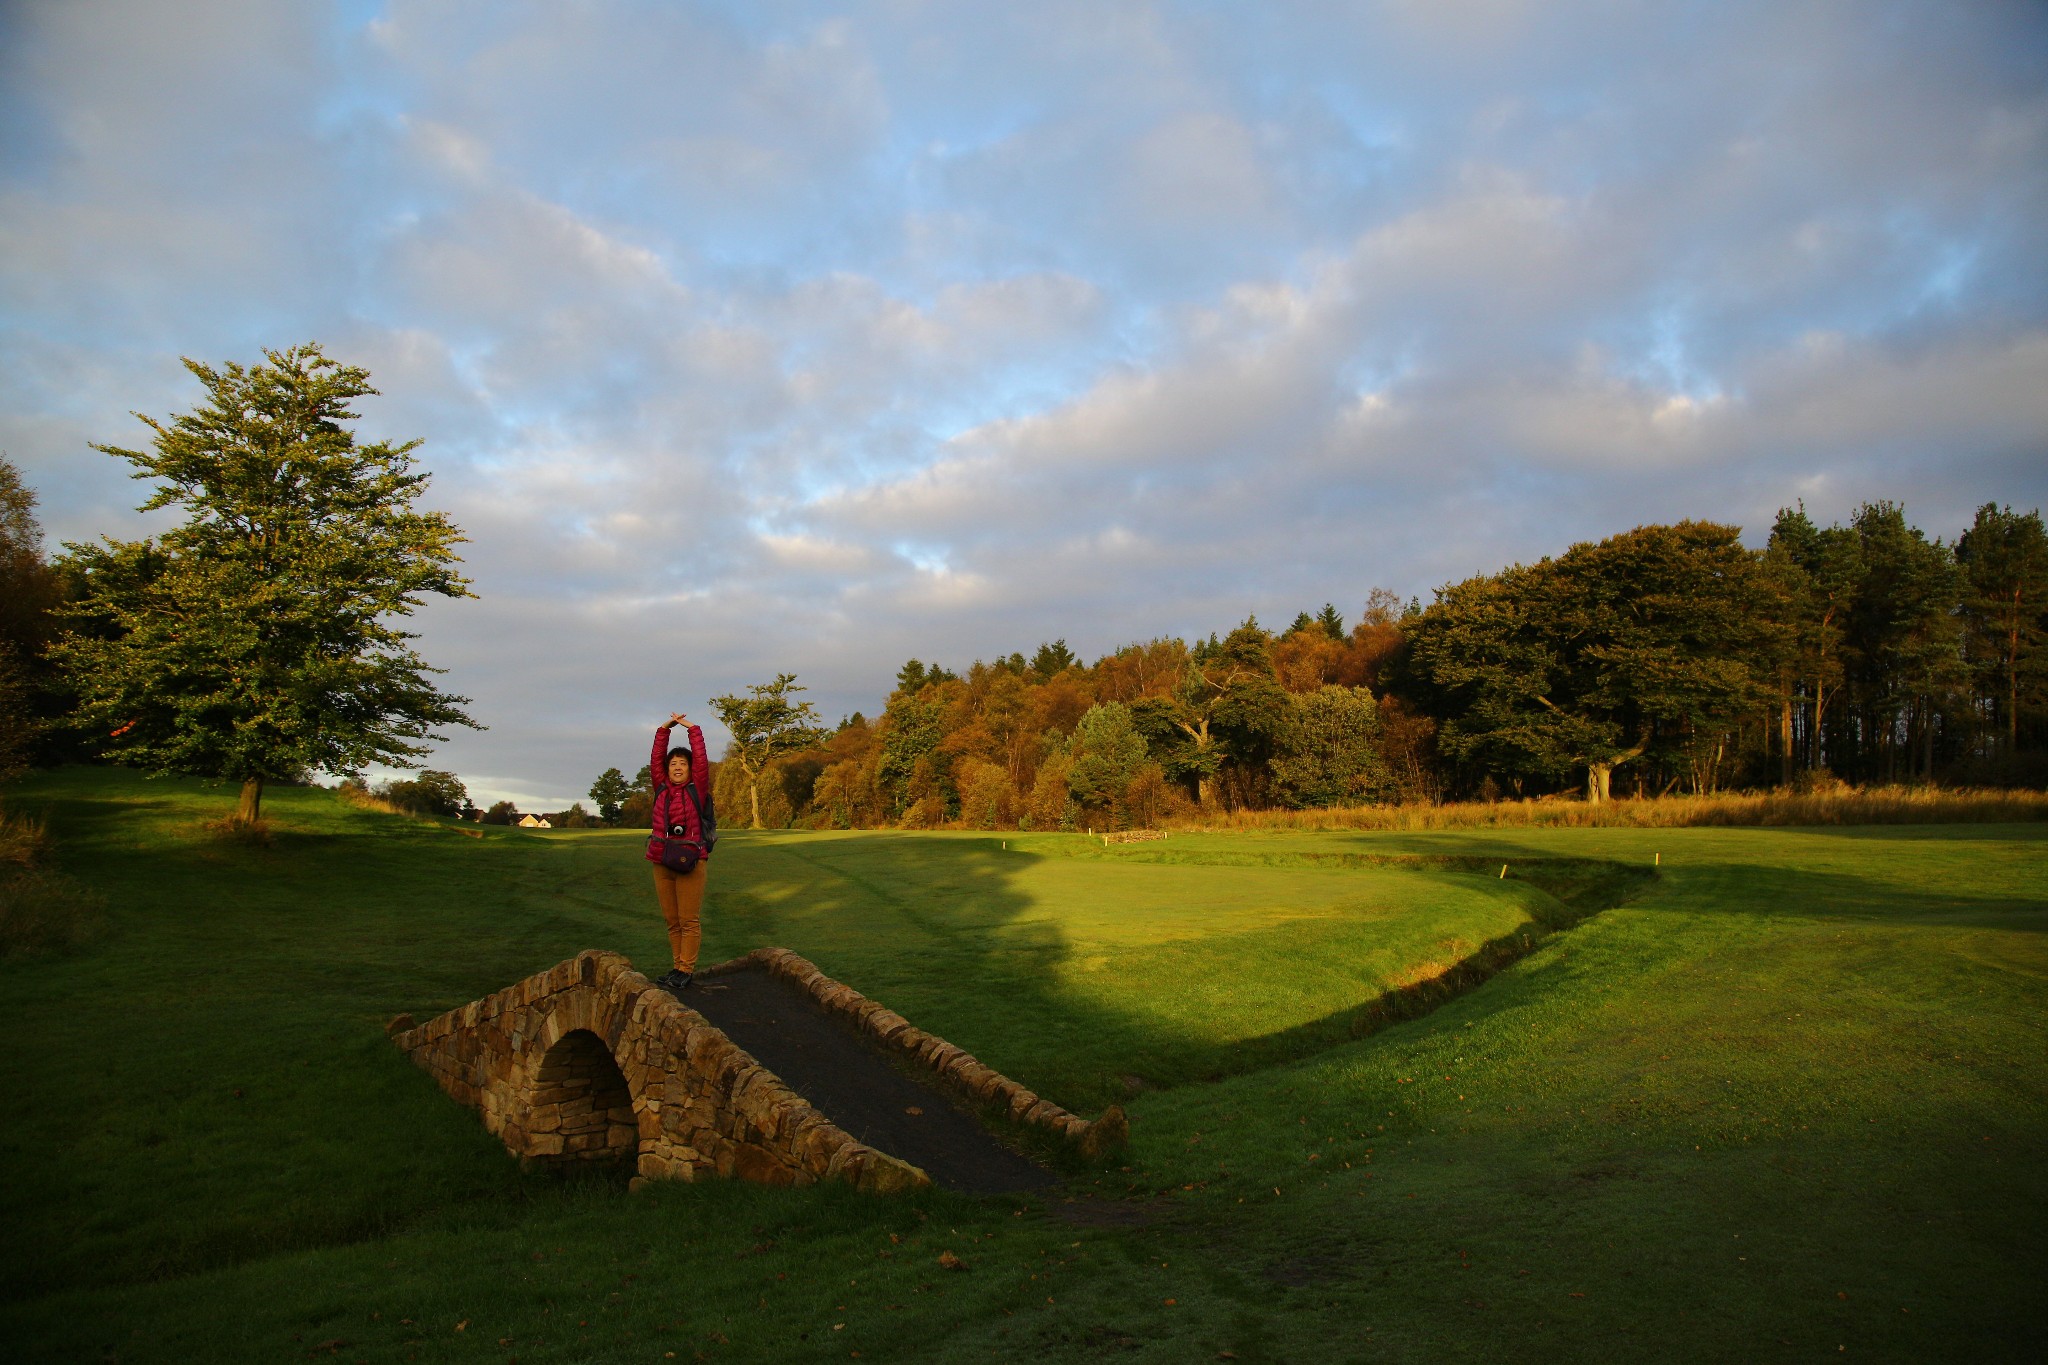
{"x": 256, "y": 640}
{"x": 610, "y": 792}
{"x": 1588, "y": 660}
{"x": 1222, "y": 708}
{"x": 766, "y": 724}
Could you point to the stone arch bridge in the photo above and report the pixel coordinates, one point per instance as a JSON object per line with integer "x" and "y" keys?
{"x": 589, "y": 1062}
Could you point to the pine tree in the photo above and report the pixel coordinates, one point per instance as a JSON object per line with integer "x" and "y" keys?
{"x": 253, "y": 642}
{"x": 2005, "y": 562}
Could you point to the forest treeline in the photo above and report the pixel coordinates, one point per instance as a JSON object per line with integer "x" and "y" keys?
{"x": 1666, "y": 658}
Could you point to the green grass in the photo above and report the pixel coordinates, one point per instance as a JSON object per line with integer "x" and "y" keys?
{"x": 1788, "y": 1097}
{"x": 1085, "y": 966}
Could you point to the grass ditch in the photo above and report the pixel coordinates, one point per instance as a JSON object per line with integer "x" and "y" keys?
{"x": 1575, "y": 889}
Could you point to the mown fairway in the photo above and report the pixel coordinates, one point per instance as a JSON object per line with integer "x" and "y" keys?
{"x": 1789, "y": 1101}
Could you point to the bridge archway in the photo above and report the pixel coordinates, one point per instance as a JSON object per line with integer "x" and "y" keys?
{"x": 580, "y": 1108}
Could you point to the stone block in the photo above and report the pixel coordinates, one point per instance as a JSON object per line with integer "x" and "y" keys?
{"x": 973, "y": 1078}
{"x": 884, "y": 1174}
{"x": 757, "y": 1163}
{"x": 1043, "y": 1114}
{"x": 814, "y": 1144}
{"x": 544, "y": 1144}
{"x": 1110, "y": 1131}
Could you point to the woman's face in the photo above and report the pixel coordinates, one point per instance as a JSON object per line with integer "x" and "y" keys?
{"x": 679, "y": 770}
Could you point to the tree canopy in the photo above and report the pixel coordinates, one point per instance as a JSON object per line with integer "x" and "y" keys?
{"x": 1589, "y": 660}
{"x": 766, "y": 724}
{"x": 256, "y": 640}
{"x": 29, "y": 593}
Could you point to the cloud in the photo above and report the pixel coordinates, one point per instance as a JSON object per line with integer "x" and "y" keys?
{"x": 744, "y": 340}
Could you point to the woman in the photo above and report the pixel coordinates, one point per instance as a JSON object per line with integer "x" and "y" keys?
{"x": 682, "y": 778}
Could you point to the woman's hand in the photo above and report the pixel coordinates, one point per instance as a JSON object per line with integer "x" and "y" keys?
{"x": 678, "y": 718}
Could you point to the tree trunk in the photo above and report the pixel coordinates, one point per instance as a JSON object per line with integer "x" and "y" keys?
{"x": 250, "y": 807}
{"x": 1785, "y": 743}
{"x": 1600, "y": 775}
{"x": 1815, "y": 756}
{"x": 1927, "y": 743}
{"x": 2012, "y": 693}
{"x": 754, "y": 795}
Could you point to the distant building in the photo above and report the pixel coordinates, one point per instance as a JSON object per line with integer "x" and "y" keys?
{"x": 533, "y": 822}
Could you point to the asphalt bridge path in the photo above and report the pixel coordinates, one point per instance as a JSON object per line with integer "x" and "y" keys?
{"x": 853, "y": 1086}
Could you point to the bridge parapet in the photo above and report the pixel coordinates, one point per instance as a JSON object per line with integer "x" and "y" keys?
{"x": 590, "y": 1062}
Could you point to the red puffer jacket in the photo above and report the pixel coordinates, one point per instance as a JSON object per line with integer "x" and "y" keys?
{"x": 672, "y": 805}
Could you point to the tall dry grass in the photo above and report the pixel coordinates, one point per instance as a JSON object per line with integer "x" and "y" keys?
{"x": 1849, "y": 806}
{"x": 23, "y": 840}
{"x": 41, "y": 909}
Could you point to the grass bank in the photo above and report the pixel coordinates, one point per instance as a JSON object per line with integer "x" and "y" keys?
{"x": 1786, "y": 1101}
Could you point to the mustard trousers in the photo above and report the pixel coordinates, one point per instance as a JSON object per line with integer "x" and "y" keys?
{"x": 682, "y": 903}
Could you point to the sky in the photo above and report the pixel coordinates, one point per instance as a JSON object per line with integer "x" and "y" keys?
{"x": 763, "y": 338}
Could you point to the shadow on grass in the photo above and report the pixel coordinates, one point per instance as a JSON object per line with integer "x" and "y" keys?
{"x": 951, "y": 912}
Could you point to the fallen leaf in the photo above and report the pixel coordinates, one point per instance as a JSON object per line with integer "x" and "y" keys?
{"x": 948, "y": 1261}
{"x": 1170, "y": 1303}
{"x": 462, "y": 1326}
{"x": 912, "y": 1109}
